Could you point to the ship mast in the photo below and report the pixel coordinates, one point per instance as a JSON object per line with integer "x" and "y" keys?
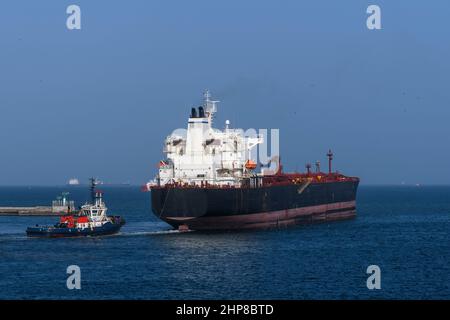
{"x": 210, "y": 106}
{"x": 92, "y": 188}
{"x": 330, "y": 159}
{"x": 308, "y": 168}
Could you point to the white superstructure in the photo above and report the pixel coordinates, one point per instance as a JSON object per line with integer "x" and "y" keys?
{"x": 95, "y": 212}
{"x": 202, "y": 154}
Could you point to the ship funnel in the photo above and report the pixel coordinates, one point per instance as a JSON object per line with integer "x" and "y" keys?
{"x": 194, "y": 113}
{"x": 201, "y": 112}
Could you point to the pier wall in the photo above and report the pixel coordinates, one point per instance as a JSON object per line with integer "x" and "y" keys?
{"x": 29, "y": 211}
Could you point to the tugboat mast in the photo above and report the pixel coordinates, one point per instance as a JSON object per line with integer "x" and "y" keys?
{"x": 92, "y": 188}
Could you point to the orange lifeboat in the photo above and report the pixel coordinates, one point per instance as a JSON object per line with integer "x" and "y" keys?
{"x": 250, "y": 165}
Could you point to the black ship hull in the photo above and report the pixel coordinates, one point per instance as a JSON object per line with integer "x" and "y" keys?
{"x": 261, "y": 207}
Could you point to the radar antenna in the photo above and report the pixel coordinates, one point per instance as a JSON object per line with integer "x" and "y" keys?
{"x": 209, "y": 105}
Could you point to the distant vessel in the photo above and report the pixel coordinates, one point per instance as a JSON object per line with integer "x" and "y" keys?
{"x": 91, "y": 220}
{"x": 73, "y": 182}
{"x": 208, "y": 181}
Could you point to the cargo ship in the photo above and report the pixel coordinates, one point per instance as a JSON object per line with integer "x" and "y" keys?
{"x": 208, "y": 181}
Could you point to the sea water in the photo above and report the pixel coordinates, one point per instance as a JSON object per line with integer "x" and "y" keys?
{"x": 402, "y": 229}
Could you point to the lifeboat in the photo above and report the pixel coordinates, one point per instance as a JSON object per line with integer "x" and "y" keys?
{"x": 250, "y": 165}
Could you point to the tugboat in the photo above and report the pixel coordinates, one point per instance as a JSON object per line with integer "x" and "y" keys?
{"x": 90, "y": 220}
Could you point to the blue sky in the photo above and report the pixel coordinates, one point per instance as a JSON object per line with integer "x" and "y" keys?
{"x": 100, "y": 100}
